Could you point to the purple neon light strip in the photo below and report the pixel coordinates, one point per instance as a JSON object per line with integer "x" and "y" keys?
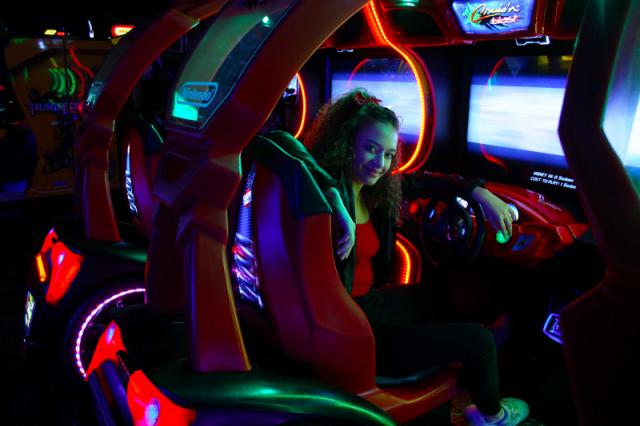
{"x": 90, "y": 318}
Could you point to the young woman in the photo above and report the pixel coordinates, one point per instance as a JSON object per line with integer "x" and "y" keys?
{"x": 354, "y": 144}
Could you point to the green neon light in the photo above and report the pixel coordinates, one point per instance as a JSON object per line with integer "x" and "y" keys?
{"x": 55, "y": 82}
{"x": 155, "y": 131}
{"x": 61, "y": 80}
{"x": 185, "y": 112}
{"x": 501, "y": 238}
{"x": 409, "y": 3}
{"x": 62, "y": 87}
{"x": 278, "y": 396}
{"x": 74, "y": 83}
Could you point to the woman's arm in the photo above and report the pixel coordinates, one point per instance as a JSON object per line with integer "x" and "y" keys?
{"x": 345, "y": 240}
{"x": 345, "y": 237}
{"x": 498, "y": 213}
{"x": 426, "y": 184}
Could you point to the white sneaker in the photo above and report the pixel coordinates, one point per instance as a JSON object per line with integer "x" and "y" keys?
{"x": 515, "y": 412}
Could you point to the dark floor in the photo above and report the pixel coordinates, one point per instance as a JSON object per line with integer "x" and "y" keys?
{"x": 532, "y": 366}
{"x": 32, "y": 398}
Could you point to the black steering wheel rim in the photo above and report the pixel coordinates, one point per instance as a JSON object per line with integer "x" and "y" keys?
{"x": 452, "y": 229}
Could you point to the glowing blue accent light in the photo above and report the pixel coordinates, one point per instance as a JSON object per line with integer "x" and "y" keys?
{"x": 244, "y": 259}
{"x": 42, "y": 45}
{"x": 524, "y": 242}
{"x": 551, "y": 328}
{"x": 60, "y": 258}
{"x": 462, "y": 202}
{"x": 128, "y": 183}
{"x": 111, "y": 331}
{"x": 152, "y": 412}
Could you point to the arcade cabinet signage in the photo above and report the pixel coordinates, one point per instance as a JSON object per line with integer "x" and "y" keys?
{"x": 120, "y": 30}
{"x": 493, "y": 17}
{"x": 197, "y": 94}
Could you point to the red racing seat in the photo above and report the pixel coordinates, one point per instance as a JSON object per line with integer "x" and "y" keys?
{"x": 313, "y": 319}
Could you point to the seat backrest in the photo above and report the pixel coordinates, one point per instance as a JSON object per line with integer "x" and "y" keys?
{"x": 284, "y": 255}
{"x": 293, "y": 277}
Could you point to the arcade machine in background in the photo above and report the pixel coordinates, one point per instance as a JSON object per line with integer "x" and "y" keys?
{"x": 50, "y": 77}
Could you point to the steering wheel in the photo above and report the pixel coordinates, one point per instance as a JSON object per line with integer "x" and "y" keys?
{"x": 452, "y": 229}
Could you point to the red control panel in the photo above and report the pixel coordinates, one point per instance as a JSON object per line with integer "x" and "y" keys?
{"x": 543, "y": 228}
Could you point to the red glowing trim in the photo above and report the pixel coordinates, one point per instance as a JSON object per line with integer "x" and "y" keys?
{"x": 120, "y": 30}
{"x": 107, "y": 348}
{"x": 380, "y": 35}
{"x": 141, "y": 393}
{"x": 61, "y": 33}
{"x": 303, "y": 118}
{"x": 51, "y": 238}
{"x": 79, "y": 64}
{"x": 41, "y": 270}
{"x": 65, "y": 266}
{"x": 405, "y": 269}
{"x": 485, "y": 153}
{"x": 411, "y": 266}
{"x": 355, "y": 70}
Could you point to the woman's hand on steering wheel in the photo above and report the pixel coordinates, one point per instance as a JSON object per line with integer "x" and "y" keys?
{"x": 497, "y": 212}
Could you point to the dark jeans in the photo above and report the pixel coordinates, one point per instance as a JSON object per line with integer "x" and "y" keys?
{"x": 413, "y": 332}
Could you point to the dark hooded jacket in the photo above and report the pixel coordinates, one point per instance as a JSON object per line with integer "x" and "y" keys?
{"x": 414, "y": 186}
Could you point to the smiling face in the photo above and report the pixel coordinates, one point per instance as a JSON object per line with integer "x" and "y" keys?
{"x": 374, "y": 149}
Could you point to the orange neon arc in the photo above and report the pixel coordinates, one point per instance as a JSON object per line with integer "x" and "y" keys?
{"x": 303, "y": 115}
{"x": 405, "y": 270}
{"x": 414, "y": 162}
{"x": 42, "y": 272}
{"x": 410, "y": 261}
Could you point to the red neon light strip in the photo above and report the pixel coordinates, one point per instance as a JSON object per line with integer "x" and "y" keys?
{"x": 406, "y": 263}
{"x": 355, "y": 70}
{"x": 77, "y": 62}
{"x": 489, "y": 157}
{"x": 380, "y": 35}
{"x": 413, "y": 269}
{"x": 303, "y": 118}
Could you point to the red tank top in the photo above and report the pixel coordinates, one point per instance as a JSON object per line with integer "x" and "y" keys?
{"x": 367, "y": 246}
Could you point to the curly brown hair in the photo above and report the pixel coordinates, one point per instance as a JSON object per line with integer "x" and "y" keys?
{"x": 331, "y": 137}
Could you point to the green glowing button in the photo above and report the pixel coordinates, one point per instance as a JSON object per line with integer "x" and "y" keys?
{"x": 501, "y": 238}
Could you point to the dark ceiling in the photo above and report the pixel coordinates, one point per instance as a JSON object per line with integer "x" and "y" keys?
{"x": 26, "y": 18}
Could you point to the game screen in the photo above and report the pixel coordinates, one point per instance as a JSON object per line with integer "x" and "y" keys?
{"x": 514, "y": 110}
{"x": 388, "y": 79}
